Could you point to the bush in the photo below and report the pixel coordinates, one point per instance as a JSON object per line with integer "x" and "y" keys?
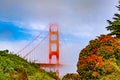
{"x": 100, "y": 58}
{"x": 72, "y": 76}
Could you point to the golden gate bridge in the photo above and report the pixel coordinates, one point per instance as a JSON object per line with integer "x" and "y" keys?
{"x": 53, "y": 48}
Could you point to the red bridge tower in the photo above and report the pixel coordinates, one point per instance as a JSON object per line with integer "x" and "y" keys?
{"x": 53, "y": 49}
{"x": 53, "y": 42}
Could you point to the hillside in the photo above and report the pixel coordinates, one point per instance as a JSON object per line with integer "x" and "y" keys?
{"x": 12, "y": 67}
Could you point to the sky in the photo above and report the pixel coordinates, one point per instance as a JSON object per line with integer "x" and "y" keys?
{"x": 79, "y": 22}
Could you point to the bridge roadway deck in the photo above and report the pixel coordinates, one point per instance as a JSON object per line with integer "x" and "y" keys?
{"x": 48, "y": 65}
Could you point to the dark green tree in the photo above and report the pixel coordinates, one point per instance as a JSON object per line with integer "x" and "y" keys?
{"x": 114, "y": 26}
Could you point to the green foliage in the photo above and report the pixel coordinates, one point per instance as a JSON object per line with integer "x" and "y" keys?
{"x": 72, "y": 76}
{"x": 53, "y": 75}
{"x": 114, "y": 26}
{"x": 100, "y": 59}
{"x": 12, "y": 67}
{"x": 41, "y": 76}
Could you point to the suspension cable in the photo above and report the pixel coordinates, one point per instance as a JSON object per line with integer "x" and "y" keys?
{"x": 36, "y": 46}
{"x": 29, "y": 43}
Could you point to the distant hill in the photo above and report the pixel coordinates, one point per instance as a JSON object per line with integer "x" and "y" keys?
{"x": 12, "y": 67}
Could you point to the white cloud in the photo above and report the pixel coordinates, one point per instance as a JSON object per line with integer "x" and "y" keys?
{"x": 37, "y": 26}
{"x": 12, "y": 46}
{"x": 77, "y": 16}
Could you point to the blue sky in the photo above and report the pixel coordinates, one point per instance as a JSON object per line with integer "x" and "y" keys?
{"x": 79, "y": 21}
{"x": 10, "y": 32}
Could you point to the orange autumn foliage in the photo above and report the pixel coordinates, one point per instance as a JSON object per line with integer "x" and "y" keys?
{"x": 95, "y": 74}
{"x": 95, "y": 58}
{"x": 106, "y": 37}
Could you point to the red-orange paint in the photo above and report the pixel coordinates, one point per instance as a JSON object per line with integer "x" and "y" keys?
{"x": 54, "y": 40}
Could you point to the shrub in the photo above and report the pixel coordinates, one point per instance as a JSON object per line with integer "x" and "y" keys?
{"x": 100, "y": 58}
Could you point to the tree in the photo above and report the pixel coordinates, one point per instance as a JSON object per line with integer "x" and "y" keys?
{"x": 100, "y": 59}
{"x": 114, "y": 26}
{"x": 72, "y": 76}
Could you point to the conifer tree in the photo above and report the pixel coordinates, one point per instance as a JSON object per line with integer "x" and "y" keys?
{"x": 114, "y": 26}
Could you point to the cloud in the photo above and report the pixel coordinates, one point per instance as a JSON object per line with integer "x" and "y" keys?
{"x": 33, "y": 26}
{"x": 46, "y": 11}
{"x": 13, "y": 47}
